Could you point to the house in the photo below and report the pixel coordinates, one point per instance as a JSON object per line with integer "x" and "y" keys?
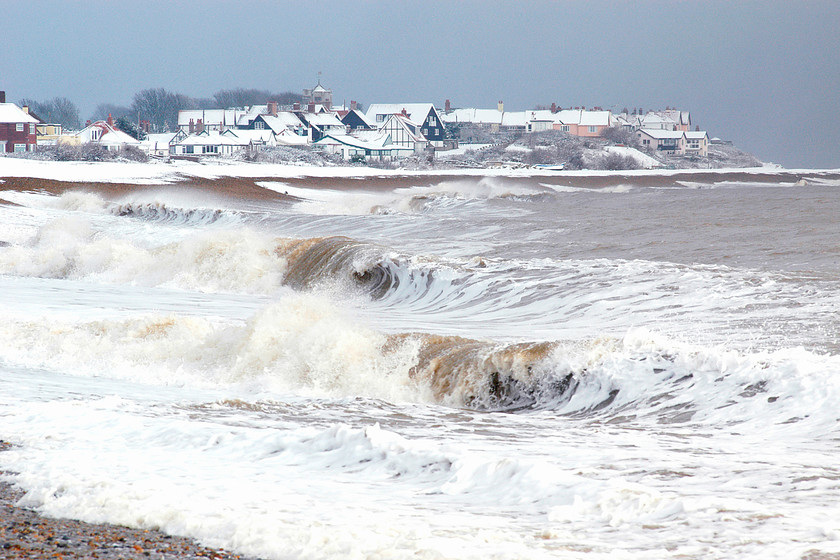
{"x": 215, "y": 143}
{"x": 697, "y": 143}
{"x": 584, "y": 123}
{"x": 540, "y": 120}
{"x": 376, "y": 148}
{"x": 157, "y": 145}
{"x": 423, "y": 115}
{"x": 18, "y": 132}
{"x": 657, "y": 121}
{"x": 405, "y": 133}
{"x": 319, "y": 95}
{"x": 665, "y": 141}
{"x": 197, "y": 120}
{"x": 356, "y": 120}
{"x": 321, "y": 124}
{"x": 105, "y": 134}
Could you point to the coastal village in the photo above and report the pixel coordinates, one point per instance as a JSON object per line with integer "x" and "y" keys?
{"x": 381, "y": 133}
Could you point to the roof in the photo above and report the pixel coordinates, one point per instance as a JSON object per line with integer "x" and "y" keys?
{"x": 660, "y": 134}
{"x": 696, "y": 134}
{"x": 595, "y": 118}
{"x": 11, "y": 113}
{"x": 361, "y": 116}
{"x": 282, "y": 121}
{"x": 226, "y": 117}
{"x": 323, "y": 119}
{"x": 227, "y": 138}
{"x": 417, "y": 112}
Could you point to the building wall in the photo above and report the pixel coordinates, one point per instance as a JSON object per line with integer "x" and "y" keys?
{"x": 14, "y": 138}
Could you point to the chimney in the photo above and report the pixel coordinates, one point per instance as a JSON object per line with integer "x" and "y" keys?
{"x": 501, "y": 106}
{"x": 272, "y": 108}
{"x": 447, "y": 106}
{"x": 192, "y": 126}
{"x": 404, "y": 113}
{"x": 554, "y": 107}
{"x": 110, "y": 120}
{"x": 697, "y": 128}
{"x": 2, "y": 96}
{"x": 353, "y": 105}
{"x": 296, "y": 106}
{"x": 199, "y": 126}
{"x": 87, "y": 123}
{"x": 25, "y": 109}
{"x": 311, "y": 107}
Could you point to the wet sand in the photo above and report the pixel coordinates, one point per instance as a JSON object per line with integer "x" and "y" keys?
{"x": 248, "y": 187}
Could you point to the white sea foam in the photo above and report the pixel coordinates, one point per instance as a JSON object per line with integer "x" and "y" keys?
{"x": 675, "y": 359}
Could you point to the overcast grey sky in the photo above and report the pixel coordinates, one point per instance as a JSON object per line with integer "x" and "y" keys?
{"x": 763, "y": 74}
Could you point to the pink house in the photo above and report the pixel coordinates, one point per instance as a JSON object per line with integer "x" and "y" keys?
{"x": 580, "y": 122}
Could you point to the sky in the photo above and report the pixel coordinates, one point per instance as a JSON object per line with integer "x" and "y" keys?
{"x": 764, "y": 74}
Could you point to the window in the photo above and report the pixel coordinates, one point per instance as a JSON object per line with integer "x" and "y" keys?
{"x": 564, "y": 128}
{"x": 380, "y": 118}
{"x": 95, "y": 134}
{"x": 188, "y": 149}
{"x": 20, "y": 147}
{"x": 19, "y": 127}
{"x": 593, "y": 129}
{"x": 31, "y": 129}
{"x": 432, "y": 121}
{"x": 209, "y": 149}
{"x": 259, "y": 125}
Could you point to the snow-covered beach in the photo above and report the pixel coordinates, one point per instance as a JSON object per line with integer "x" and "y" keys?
{"x": 346, "y": 362}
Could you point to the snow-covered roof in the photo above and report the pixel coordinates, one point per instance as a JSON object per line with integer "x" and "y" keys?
{"x": 696, "y": 134}
{"x": 227, "y": 138}
{"x": 282, "y": 121}
{"x": 323, "y": 119}
{"x": 661, "y": 134}
{"x": 517, "y": 119}
{"x": 225, "y": 117}
{"x": 108, "y": 135}
{"x": 595, "y": 118}
{"x": 11, "y": 113}
{"x": 541, "y": 115}
{"x": 417, "y": 112}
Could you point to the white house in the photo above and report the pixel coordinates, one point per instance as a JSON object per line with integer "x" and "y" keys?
{"x": 405, "y": 133}
{"x": 215, "y": 143}
{"x": 423, "y": 116}
{"x": 377, "y": 148}
{"x": 105, "y": 134}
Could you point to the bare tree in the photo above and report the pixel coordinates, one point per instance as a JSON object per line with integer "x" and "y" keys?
{"x": 56, "y": 110}
{"x": 160, "y": 107}
{"x": 104, "y": 109}
{"x": 241, "y": 97}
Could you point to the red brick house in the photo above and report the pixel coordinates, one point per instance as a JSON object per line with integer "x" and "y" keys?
{"x": 17, "y": 128}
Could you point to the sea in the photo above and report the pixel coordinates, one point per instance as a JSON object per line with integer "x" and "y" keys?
{"x": 425, "y": 366}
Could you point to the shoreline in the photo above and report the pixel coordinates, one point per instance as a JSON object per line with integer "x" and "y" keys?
{"x": 25, "y": 534}
{"x": 244, "y": 180}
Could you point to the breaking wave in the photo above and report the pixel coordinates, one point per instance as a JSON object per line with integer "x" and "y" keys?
{"x": 305, "y": 344}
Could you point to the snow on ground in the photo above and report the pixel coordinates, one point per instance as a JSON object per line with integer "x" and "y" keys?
{"x": 156, "y": 172}
{"x": 641, "y": 158}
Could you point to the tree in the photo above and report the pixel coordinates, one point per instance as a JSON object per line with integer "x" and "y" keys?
{"x": 241, "y": 97}
{"x": 160, "y": 107}
{"x": 128, "y": 126}
{"x": 104, "y": 109}
{"x": 56, "y": 110}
